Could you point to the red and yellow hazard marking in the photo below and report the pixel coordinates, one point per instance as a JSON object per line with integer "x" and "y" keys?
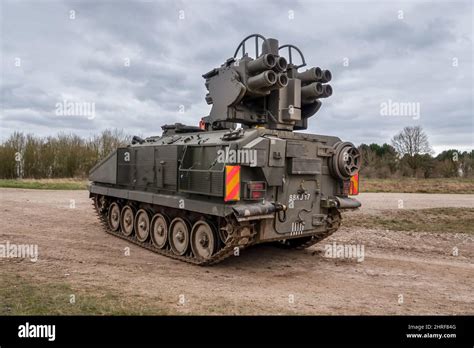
{"x": 232, "y": 183}
{"x": 354, "y": 187}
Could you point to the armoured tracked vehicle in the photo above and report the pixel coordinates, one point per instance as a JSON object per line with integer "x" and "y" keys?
{"x": 244, "y": 176}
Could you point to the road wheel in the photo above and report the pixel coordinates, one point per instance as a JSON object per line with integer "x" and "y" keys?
{"x": 179, "y": 236}
{"x": 203, "y": 240}
{"x": 113, "y": 217}
{"x": 142, "y": 225}
{"x": 159, "y": 230}
{"x": 126, "y": 220}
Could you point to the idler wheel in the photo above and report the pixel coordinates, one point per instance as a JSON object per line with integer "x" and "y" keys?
{"x": 346, "y": 160}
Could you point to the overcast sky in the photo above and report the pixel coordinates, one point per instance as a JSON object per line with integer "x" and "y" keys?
{"x": 405, "y": 52}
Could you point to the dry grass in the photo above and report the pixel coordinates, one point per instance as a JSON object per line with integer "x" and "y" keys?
{"x": 439, "y": 220}
{"x": 20, "y": 295}
{"x": 46, "y": 184}
{"x": 403, "y": 185}
{"x": 411, "y": 185}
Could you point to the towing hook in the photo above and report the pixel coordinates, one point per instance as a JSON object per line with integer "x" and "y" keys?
{"x": 280, "y": 207}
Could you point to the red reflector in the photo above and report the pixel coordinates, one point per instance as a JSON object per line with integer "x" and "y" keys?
{"x": 256, "y": 186}
{"x": 256, "y": 194}
{"x": 255, "y": 190}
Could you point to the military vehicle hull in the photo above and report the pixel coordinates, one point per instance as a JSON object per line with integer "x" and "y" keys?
{"x": 201, "y": 197}
{"x": 202, "y": 194}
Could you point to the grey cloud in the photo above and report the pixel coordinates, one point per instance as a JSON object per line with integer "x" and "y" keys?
{"x": 398, "y": 33}
{"x": 82, "y": 59}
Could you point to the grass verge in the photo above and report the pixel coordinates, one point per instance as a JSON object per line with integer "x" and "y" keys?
{"x": 450, "y": 220}
{"x": 403, "y": 185}
{"x": 412, "y": 185}
{"x": 45, "y": 184}
{"x": 22, "y": 296}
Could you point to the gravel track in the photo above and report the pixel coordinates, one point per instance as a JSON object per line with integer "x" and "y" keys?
{"x": 263, "y": 279}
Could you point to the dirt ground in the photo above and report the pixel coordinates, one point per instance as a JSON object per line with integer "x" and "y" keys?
{"x": 402, "y": 272}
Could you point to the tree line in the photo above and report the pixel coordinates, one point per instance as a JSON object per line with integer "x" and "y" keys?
{"x": 69, "y": 156}
{"x": 61, "y": 156}
{"x": 410, "y": 155}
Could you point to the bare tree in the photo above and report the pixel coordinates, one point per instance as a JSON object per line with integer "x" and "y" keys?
{"x": 411, "y": 141}
{"x": 413, "y": 146}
